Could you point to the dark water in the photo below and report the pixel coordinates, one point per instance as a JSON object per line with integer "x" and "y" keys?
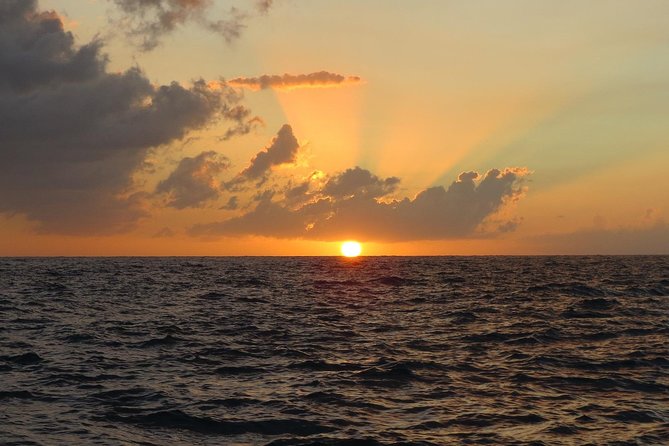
{"x": 327, "y": 351}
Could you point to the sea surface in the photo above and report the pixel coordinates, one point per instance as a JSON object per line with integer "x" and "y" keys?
{"x": 331, "y": 351}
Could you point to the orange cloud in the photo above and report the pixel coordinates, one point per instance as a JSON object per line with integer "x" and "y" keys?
{"x": 320, "y": 79}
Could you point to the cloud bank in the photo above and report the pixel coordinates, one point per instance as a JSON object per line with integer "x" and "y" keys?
{"x": 357, "y": 204}
{"x": 73, "y": 134}
{"x": 319, "y": 79}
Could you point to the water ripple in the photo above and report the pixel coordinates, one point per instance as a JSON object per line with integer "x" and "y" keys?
{"x": 305, "y": 351}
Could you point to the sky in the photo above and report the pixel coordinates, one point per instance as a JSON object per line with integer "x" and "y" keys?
{"x": 284, "y": 127}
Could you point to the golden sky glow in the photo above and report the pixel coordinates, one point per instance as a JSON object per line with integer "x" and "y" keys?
{"x": 340, "y": 120}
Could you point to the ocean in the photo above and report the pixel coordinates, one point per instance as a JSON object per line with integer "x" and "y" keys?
{"x": 331, "y": 351}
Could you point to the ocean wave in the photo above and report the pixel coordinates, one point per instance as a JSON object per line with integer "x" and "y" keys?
{"x": 316, "y": 351}
{"x": 177, "y": 419}
{"x": 27, "y": 358}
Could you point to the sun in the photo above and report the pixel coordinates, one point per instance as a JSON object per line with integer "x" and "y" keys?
{"x": 351, "y": 249}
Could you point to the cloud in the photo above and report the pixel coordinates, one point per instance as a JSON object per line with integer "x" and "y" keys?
{"x": 238, "y": 114}
{"x": 194, "y": 182}
{"x": 297, "y": 195}
{"x": 164, "y": 232}
{"x": 360, "y": 183}
{"x": 232, "y": 204}
{"x": 648, "y": 239}
{"x": 264, "y": 5}
{"x": 148, "y": 21}
{"x": 36, "y": 52}
{"x": 291, "y": 81}
{"x": 243, "y": 127}
{"x": 282, "y": 150}
{"x": 347, "y": 206}
{"x": 508, "y": 225}
{"x": 73, "y": 134}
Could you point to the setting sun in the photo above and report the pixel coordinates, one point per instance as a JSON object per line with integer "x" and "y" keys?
{"x": 351, "y": 249}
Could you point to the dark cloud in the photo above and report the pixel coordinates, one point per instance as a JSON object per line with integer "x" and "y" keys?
{"x": 360, "y": 183}
{"x": 148, "y": 21}
{"x": 282, "y": 150}
{"x": 264, "y": 195}
{"x": 232, "y": 204}
{"x": 73, "y": 134}
{"x": 244, "y": 123}
{"x": 291, "y": 81}
{"x": 297, "y": 195}
{"x": 269, "y": 219}
{"x": 36, "y": 51}
{"x": 194, "y": 181}
{"x": 354, "y": 211}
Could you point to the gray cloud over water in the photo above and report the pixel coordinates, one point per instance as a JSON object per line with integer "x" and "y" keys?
{"x": 349, "y": 205}
{"x": 282, "y": 150}
{"x": 360, "y": 183}
{"x": 194, "y": 181}
{"x": 73, "y": 134}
